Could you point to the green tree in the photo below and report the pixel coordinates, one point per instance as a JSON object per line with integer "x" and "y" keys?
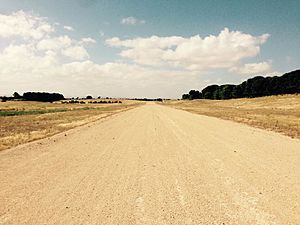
{"x": 16, "y": 95}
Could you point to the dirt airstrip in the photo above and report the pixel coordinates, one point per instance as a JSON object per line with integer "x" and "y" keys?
{"x": 153, "y": 165}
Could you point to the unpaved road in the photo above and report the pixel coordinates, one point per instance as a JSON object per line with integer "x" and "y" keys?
{"x": 153, "y": 165}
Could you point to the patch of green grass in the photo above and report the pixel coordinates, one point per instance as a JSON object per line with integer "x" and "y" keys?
{"x": 41, "y": 111}
{"x": 30, "y": 112}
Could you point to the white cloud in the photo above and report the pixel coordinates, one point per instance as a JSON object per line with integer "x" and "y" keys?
{"x": 22, "y": 69}
{"x": 24, "y": 25}
{"x": 253, "y": 68}
{"x": 76, "y": 52}
{"x": 274, "y": 73}
{"x": 23, "y": 61}
{"x": 69, "y": 28}
{"x": 224, "y": 51}
{"x": 132, "y": 21}
{"x": 65, "y": 46}
{"x": 88, "y": 40}
{"x": 54, "y": 43}
{"x": 147, "y": 43}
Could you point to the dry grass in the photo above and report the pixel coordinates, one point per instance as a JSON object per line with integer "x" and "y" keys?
{"x": 36, "y": 120}
{"x": 277, "y": 113}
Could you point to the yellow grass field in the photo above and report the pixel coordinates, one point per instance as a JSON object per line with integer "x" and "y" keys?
{"x": 36, "y": 120}
{"x": 277, "y": 113}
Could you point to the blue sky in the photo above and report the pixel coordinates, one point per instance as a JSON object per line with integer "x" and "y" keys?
{"x": 122, "y": 60}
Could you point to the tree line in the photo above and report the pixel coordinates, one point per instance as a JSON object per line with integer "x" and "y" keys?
{"x": 258, "y": 86}
{"x": 147, "y": 99}
{"x": 90, "y": 102}
{"x": 35, "y": 96}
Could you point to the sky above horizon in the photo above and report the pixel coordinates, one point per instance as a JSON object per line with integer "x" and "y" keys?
{"x": 139, "y": 48}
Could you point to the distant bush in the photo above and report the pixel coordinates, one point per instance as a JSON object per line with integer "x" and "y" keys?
{"x": 194, "y": 94}
{"x": 42, "y": 96}
{"x": 148, "y": 99}
{"x": 259, "y": 86}
{"x": 90, "y": 102}
{"x": 17, "y": 95}
{"x": 3, "y": 98}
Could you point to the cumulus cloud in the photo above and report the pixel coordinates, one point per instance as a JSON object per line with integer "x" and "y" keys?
{"x": 39, "y": 33}
{"x": 54, "y": 43}
{"x": 224, "y": 51}
{"x": 132, "y": 21}
{"x": 76, "y": 52}
{"x": 69, "y": 28}
{"x": 88, "y": 40}
{"x": 19, "y": 62}
{"x": 24, "y": 25}
{"x": 253, "y": 68}
{"x": 22, "y": 69}
{"x": 65, "y": 46}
